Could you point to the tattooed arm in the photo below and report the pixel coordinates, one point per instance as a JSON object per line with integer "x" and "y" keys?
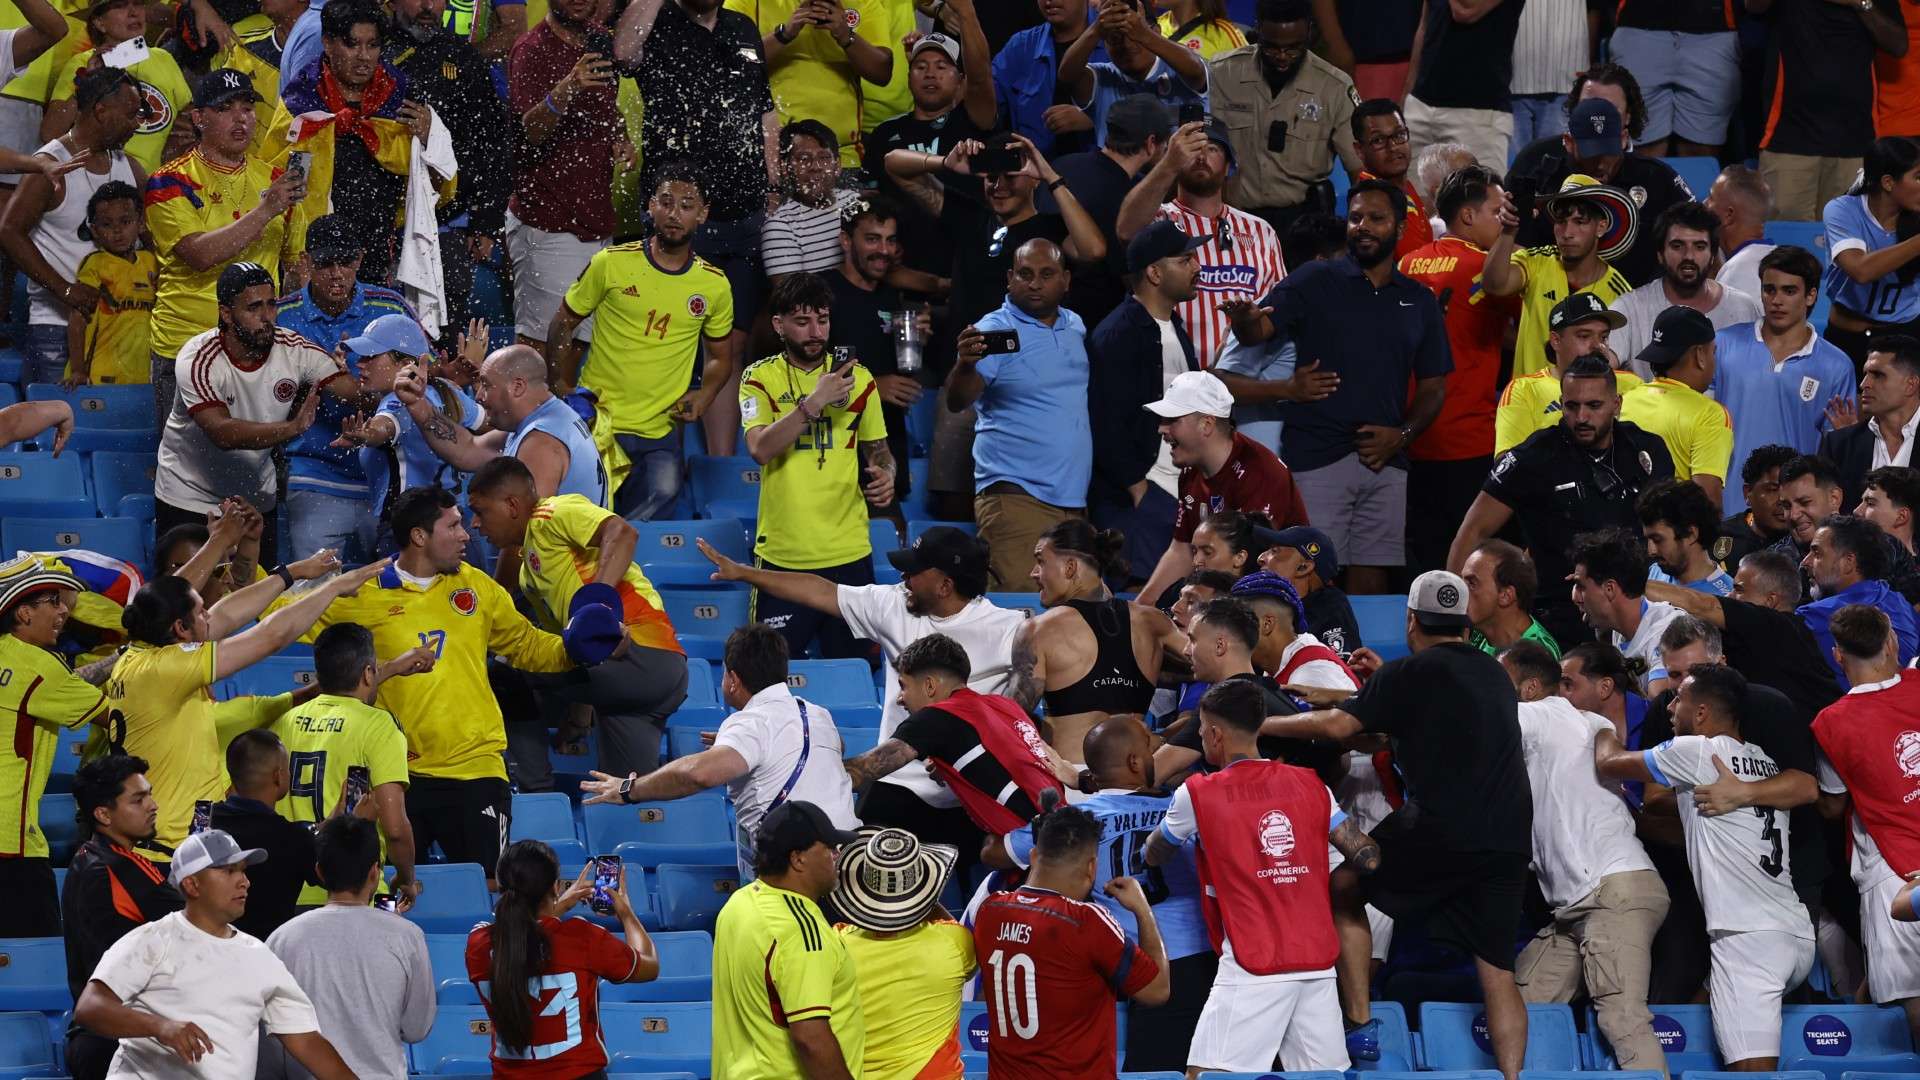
{"x": 454, "y": 444}
{"x": 878, "y": 460}
{"x": 880, "y": 761}
{"x": 1027, "y": 680}
{"x": 1361, "y": 852}
{"x": 96, "y": 673}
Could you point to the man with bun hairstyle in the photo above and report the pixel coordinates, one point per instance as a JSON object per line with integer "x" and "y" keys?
{"x": 1089, "y": 654}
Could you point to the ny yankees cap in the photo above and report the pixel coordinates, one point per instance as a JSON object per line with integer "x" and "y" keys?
{"x": 222, "y": 85}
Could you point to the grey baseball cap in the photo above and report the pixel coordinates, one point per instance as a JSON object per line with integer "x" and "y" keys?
{"x": 1439, "y": 598}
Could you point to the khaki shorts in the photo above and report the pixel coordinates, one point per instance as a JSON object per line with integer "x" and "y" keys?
{"x": 545, "y": 266}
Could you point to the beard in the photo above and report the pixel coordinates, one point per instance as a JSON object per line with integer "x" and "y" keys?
{"x": 1370, "y": 259}
{"x": 257, "y": 340}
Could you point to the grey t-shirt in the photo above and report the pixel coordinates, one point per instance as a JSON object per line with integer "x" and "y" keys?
{"x": 370, "y": 981}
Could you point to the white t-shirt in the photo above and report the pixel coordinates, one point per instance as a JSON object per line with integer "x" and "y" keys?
{"x": 767, "y": 733}
{"x": 879, "y": 613}
{"x": 8, "y": 69}
{"x": 1173, "y": 361}
{"x": 57, "y": 235}
{"x": 229, "y": 986}
{"x": 1582, "y": 829}
{"x": 1742, "y": 269}
{"x": 1739, "y": 860}
{"x": 1645, "y": 643}
{"x": 1644, "y": 304}
{"x": 193, "y": 473}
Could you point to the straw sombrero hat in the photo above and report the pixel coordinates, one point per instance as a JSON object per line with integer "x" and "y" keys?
{"x": 1623, "y": 217}
{"x": 889, "y": 880}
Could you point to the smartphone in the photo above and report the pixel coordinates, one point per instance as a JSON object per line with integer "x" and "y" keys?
{"x": 606, "y": 882}
{"x": 1193, "y": 112}
{"x": 299, "y": 160}
{"x": 1001, "y": 341}
{"x": 126, "y": 54}
{"x": 359, "y": 786}
{"x": 202, "y": 817}
{"x": 995, "y": 160}
{"x": 600, "y": 41}
{"x": 386, "y": 902}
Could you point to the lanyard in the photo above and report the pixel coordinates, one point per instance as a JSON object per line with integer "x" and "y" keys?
{"x": 806, "y": 746}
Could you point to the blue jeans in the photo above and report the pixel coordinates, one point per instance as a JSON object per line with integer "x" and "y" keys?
{"x": 318, "y": 520}
{"x": 654, "y": 482}
{"x": 46, "y": 353}
{"x": 1536, "y": 116}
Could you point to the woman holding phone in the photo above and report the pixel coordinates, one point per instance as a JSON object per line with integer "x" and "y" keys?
{"x": 531, "y": 954}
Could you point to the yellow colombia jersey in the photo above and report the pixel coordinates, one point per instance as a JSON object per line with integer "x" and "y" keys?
{"x": 162, "y": 709}
{"x": 162, "y": 88}
{"x": 910, "y": 986}
{"x": 1532, "y": 402}
{"x": 324, "y": 738}
{"x": 812, "y": 514}
{"x": 775, "y": 956}
{"x": 814, "y": 79}
{"x": 191, "y": 195}
{"x": 1209, "y": 39}
{"x": 559, "y": 557}
{"x": 1697, "y": 430}
{"x": 1547, "y": 286}
{"x": 648, "y": 323}
{"x": 42, "y": 697}
{"x": 450, "y": 715}
{"x": 116, "y": 338}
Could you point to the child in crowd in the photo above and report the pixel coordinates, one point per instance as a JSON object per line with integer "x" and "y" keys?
{"x": 109, "y": 343}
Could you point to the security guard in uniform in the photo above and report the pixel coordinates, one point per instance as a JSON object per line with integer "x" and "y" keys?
{"x": 1286, "y": 112}
{"x": 1582, "y": 474}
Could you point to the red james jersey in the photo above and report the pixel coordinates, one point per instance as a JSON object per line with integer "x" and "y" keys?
{"x": 1476, "y": 325}
{"x": 1051, "y": 969}
{"x": 566, "y": 998}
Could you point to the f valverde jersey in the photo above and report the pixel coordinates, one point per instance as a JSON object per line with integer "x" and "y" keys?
{"x": 324, "y": 738}
{"x": 1851, "y": 227}
{"x": 43, "y": 697}
{"x": 1242, "y": 261}
{"x": 812, "y": 514}
{"x": 450, "y": 714}
{"x": 1127, "y": 819}
{"x": 1051, "y": 969}
{"x": 564, "y": 998}
{"x": 1739, "y": 860}
{"x": 558, "y": 557}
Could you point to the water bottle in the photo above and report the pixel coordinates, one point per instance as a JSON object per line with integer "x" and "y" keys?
{"x": 908, "y": 343}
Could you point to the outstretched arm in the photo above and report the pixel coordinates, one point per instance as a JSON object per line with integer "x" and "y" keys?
{"x": 882, "y": 760}
{"x": 1703, "y": 606}
{"x": 811, "y": 590}
{"x": 1332, "y": 725}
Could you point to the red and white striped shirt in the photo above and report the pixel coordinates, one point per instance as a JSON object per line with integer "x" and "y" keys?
{"x": 1241, "y": 261}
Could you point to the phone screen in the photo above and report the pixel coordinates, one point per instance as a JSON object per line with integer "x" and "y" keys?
{"x": 202, "y": 817}
{"x": 606, "y": 882}
{"x": 386, "y": 902}
{"x": 359, "y": 786}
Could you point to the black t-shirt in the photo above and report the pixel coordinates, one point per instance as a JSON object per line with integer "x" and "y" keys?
{"x": 273, "y": 885}
{"x": 1278, "y": 704}
{"x": 1775, "y": 648}
{"x": 863, "y": 321}
{"x": 1468, "y": 65}
{"x": 1773, "y": 723}
{"x": 1453, "y": 720}
{"x": 1650, "y": 182}
{"x": 1742, "y": 540}
{"x": 1380, "y": 31}
{"x": 983, "y": 251}
{"x": 924, "y": 245}
{"x": 705, "y": 92}
{"x": 1820, "y": 78}
{"x": 934, "y": 732}
{"x": 1678, "y": 16}
{"x": 1100, "y": 185}
{"x": 1330, "y": 618}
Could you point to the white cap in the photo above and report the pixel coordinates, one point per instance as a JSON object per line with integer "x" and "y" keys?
{"x": 205, "y": 850}
{"x": 1194, "y": 392}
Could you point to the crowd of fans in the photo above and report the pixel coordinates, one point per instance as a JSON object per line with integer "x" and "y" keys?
{"x": 1208, "y": 317}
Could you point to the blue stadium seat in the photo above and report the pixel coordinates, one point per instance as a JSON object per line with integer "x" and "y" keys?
{"x": 658, "y": 1035}
{"x": 686, "y": 971}
{"x": 1853, "y": 1074}
{"x": 650, "y": 854}
{"x": 1443, "y": 1074}
{"x": 122, "y": 538}
{"x": 744, "y": 510}
{"x": 696, "y": 819}
{"x": 882, "y": 537}
{"x": 66, "y": 760}
{"x": 1455, "y": 1036}
{"x": 1832, "y": 1039}
{"x": 544, "y": 815}
{"x": 686, "y": 724}
{"x": 41, "y": 485}
{"x": 33, "y": 975}
{"x": 461, "y": 1036}
{"x": 1707, "y": 1074}
{"x": 1383, "y": 624}
{"x": 704, "y": 617}
{"x": 453, "y": 897}
{"x": 1017, "y": 601}
{"x": 140, "y": 508}
{"x": 1698, "y": 172}
{"x": 1396, "y": 1041}
{"x": 105, "y": 417}
{"x": 1685, "y": 1033}
{"x": 859, "y": 740}
{"x": 26, "y": 1045}
{"x": 1575, "y": 1074}
{"x": 690, "y": 896}
{"x": 275, "y": 675}
{"x": 670, "y": 557}
{"x": 57, "y": 822}
{"x": 733, "y": 479}
{"x": 10, "y": 360}
{"x": 915, "y": 528}
{"x": 118, "y": 474}
{"x": 1315, "y": 1075}
{"x": 448, "y": 955}
{"x": 921, "y": 417}
{"x": 974, "y": 1034}
{"x": 568, "y": 852}
{"x": 832, "y": 683}
{"x": 1811, "y": 235}
{"x": 700, "y": 683}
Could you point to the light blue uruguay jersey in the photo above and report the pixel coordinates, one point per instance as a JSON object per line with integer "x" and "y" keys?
{"x": 408, "y": 461}
{"x": 1851, "y": 227}
{"x": 585, "y": 475}
{"x": 1127, "y": 818}
{"x": 313, "y": 462}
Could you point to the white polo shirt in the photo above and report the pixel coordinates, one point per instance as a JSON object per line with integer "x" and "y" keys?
{"x": 768, "y": 734}
{"x": 1582, "y": 829}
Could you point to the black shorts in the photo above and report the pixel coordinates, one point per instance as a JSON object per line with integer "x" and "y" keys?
{"x": 1158, "y": 1036}
{"x": 801, "y": 625}
{"x": 1471, "y": 900}
{"x": 734, "y": 247}
{"x": 467, "y": 818}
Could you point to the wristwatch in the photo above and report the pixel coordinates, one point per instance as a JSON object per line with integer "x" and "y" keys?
{"x": 780, "y": 33}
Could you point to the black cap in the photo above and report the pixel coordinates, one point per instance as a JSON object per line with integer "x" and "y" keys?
{"x": 222, "y": 85}
{"x": 1674, "y": 332}
{"x": 953, "y": 552}
{"x": 94, "y": 85}
{"x": 331, "y": 237}
{"x": 1577, "y": 308}
{"x": 793, "y": 826}
{"x": 1160, "y": 240}
{"x": 1218, "y": 135}
{"x": 238, "y": 278}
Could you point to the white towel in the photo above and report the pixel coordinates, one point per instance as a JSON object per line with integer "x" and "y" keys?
{"x": 418, "y": 272}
